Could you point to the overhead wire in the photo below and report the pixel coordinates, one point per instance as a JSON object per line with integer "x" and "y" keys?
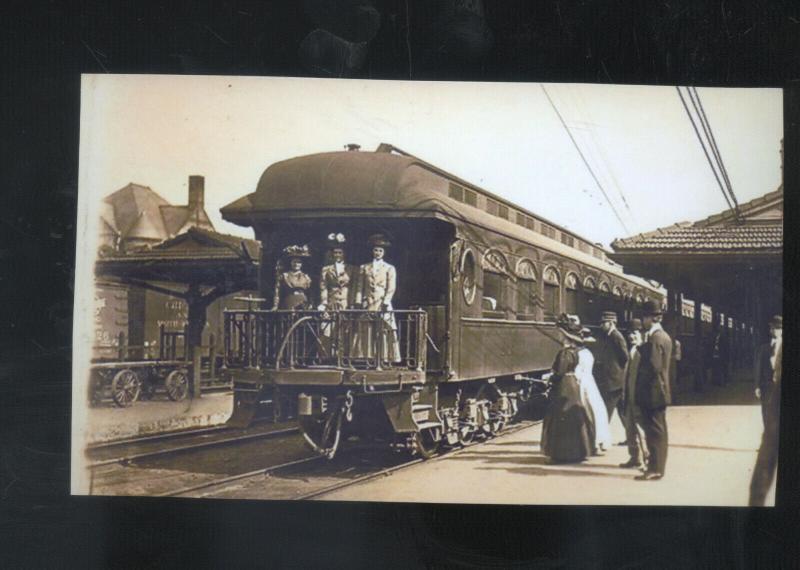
{"x": 698, "y": 105}
{"x": 585, "y": 162}
{"x": 703, "y": 146}
{"x": 604, "y": 159}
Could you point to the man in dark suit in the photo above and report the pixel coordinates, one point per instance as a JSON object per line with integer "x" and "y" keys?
{"x": 767, "y": 460}
{"x": 610, "y": 359}
{"x": 653, "y": 390}
{"x": 765, "y": 364}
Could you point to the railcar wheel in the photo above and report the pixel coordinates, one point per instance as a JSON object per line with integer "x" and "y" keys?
{"x": 177, "y": 385}
{"x": 466, "y": 434}
{"x": 425, "y": 443}
{"x": 322, "y": 434}
{"x": 125, "y": 388}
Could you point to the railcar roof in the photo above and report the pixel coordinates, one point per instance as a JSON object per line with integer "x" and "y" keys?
{"x": 386, "y": 184}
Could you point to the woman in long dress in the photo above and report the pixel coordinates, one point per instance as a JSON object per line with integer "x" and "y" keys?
{"x": 292, "y": 287}
{"x": 566, "y": 433}
{"x": 592, "y": 398}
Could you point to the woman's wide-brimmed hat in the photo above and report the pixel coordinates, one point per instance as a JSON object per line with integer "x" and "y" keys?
{"x": 570, "y": 327}
{"x": 336, "y": 241}
{"x": 295, "y": 251}
{"x": 379, "y": 240}
{"x": 586, "y": 336}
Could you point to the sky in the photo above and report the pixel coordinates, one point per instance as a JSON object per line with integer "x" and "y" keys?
{"x": 505, "y": 137}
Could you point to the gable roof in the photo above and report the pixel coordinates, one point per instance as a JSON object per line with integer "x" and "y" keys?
{"x": 759, "y": 230}
{"x": 137, "y": 212}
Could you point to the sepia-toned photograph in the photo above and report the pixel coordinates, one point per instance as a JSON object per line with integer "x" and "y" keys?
{"x": 430, "y": 292}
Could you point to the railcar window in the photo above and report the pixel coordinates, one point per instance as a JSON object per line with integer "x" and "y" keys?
{"x": 548, "y": 230}
{"x": 552, "y": 288}
{"x": 496, "y": 279}
{"x": 571, "y": 294}
{"x": 590, "y": 309}
{"x": 456, "y": 192}
{"x": 527, "y": 290}
{"x": 470, "y": 198}
{"x": 494, "y": 293}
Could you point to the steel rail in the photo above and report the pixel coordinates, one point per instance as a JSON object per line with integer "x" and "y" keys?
{"x": 390, "y": 470}
{"x": 232, "y": 478}
{"x": 192, "y": 447}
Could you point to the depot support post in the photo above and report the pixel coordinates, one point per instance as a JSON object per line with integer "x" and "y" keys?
{"x": 197, "y": 357}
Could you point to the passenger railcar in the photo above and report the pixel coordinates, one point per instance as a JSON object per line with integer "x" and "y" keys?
{"x": 480, "y": 283}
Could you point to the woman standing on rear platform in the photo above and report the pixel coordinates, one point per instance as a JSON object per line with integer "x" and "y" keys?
{"x": 566, "y": 433}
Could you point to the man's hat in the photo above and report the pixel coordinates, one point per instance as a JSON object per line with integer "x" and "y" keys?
{"x": 636, "y": 324}
{"x": 776, "y": 322}
{"x": 336, "y": 241}
{"x": 651, "y": 309}
{"x": 292, "y": 251}
{"x": 379, "y": 240}
{"x": 609, "y": 316}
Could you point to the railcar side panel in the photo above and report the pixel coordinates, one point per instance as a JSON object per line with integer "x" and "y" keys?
{"x": 490, "y": 348}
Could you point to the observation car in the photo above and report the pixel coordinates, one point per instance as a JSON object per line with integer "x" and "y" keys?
{"x": 480, "y": 283}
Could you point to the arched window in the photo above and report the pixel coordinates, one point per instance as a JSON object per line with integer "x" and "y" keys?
{"x": 528, "y": 299}
{"x": 618, "y": 303}
{"x": 552, "y": 287}
{"x": 589, "y": 310}
{"x": 604, "y": 301}
{"x": 496, "y": 302}
{"x": 571, "y": 294}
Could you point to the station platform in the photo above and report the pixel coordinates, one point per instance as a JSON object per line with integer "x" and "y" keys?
{"x": 107, "y": 422}
{"x": 712, "y": 451}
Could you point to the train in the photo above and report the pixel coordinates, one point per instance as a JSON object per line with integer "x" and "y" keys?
{"x": 481, "y": 283}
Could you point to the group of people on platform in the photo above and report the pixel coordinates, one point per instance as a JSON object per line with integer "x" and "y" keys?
{"x": 587, "y": 386}
{"x": 370, "y": 286}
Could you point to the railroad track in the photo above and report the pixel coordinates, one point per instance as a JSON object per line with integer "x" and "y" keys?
{"x": 378, "y": 471}
{"x": 175, "y": 450}
{"x": 395, "y": 468}
{"x": 166, "y": 436}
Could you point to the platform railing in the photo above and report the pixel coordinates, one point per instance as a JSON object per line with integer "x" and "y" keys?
{"x": 361, "y": 339}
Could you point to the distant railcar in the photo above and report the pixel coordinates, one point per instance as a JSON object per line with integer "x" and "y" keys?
{"x": 480, "y": 283}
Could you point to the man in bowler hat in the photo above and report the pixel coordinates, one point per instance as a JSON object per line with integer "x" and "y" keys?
{"x": 611, "y": 357}
{"x": 766, "y": 362}
{"x": 653, "y": 390}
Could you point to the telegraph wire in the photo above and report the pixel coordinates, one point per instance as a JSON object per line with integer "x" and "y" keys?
{"x": 710, "y": 135}
{"x": 603, "y": 158}
{"x": 708, "y": 141}
{"x": 585, "y": 162}
{"x": 703, "y": 146}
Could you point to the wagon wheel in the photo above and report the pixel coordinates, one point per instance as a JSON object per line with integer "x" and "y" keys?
{"x": 177, "y": 385}
{"x": 125, "y": 388}
{"x": 425, "y": 443}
